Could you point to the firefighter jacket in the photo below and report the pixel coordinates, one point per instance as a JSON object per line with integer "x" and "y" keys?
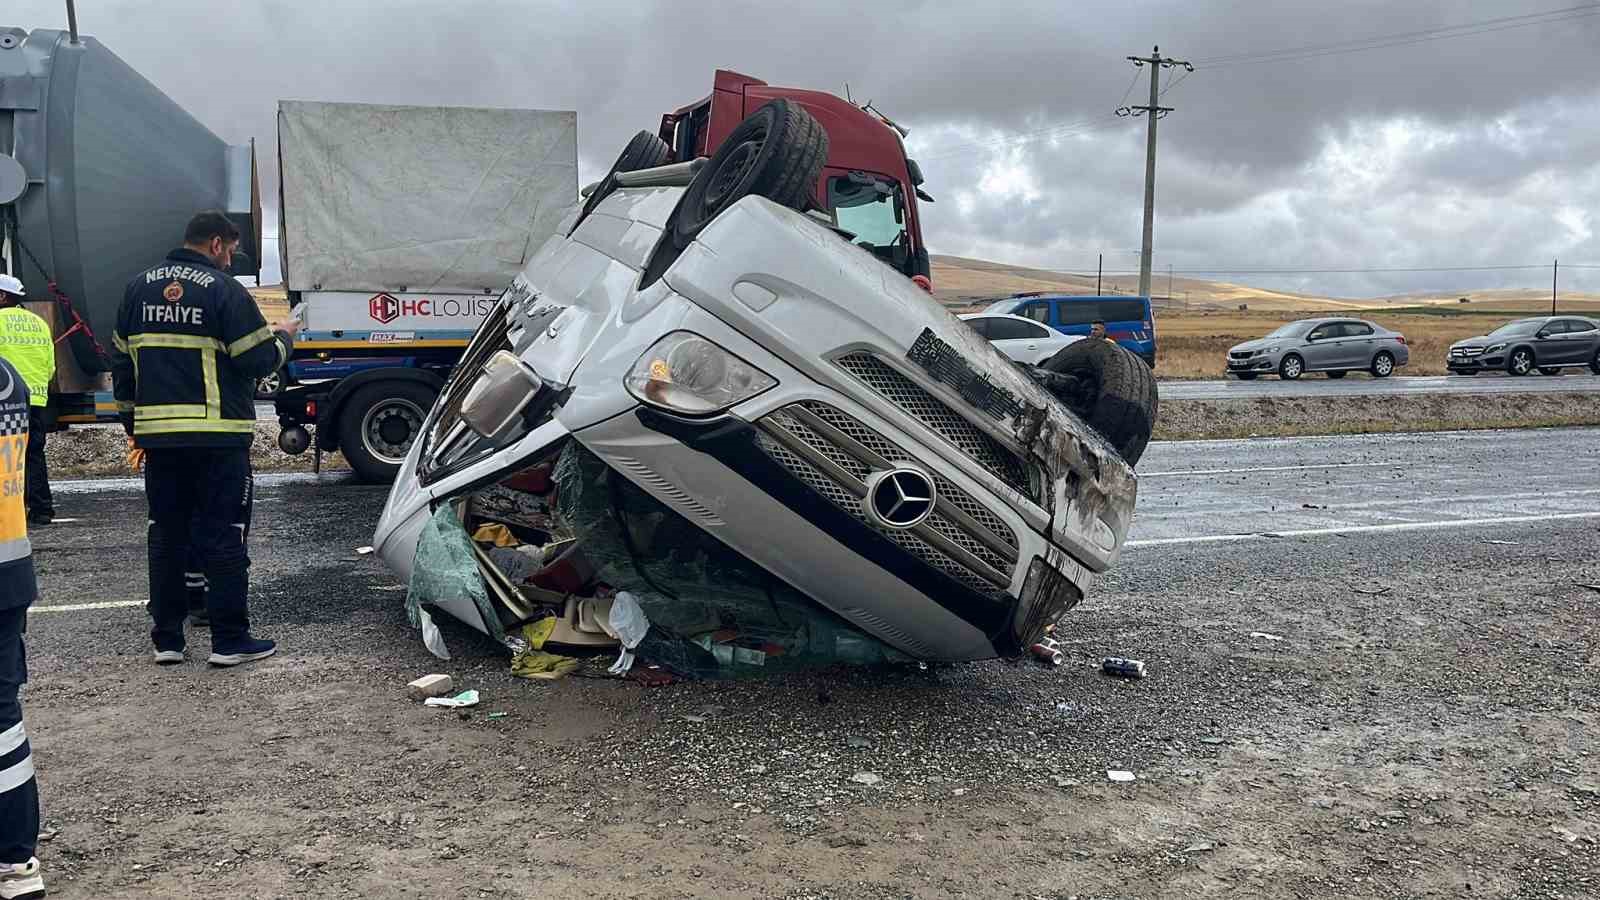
{"x": 17, "y": 586}
{"x": 25, "y": 342}
{"x": 189, "y": 346}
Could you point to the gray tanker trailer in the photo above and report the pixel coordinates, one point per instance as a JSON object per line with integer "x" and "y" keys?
{"x": 99, "y": 172}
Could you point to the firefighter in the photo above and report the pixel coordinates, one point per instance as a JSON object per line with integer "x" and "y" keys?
{"x": 25, "y": 342}
{"x": 19, "y": 792}
{"x": 189, "y": 346}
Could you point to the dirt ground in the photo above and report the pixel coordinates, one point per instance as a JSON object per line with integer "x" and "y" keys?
{"x": 1383, "y": 715}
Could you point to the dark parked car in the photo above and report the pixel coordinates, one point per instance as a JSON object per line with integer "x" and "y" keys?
{"x": 1335, "y": 346}
{"x": 1547, "y": 343}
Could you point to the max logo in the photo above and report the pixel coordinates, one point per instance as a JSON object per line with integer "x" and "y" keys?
{"x": 383, "y": 308}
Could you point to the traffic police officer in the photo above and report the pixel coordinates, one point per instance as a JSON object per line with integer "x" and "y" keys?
{"x": 189, "y": 346}
{"x": 25, "y": 342}
{"x": 19, "y": 793}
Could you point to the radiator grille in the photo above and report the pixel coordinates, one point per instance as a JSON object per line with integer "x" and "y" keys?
{"x": 923, "y": 406}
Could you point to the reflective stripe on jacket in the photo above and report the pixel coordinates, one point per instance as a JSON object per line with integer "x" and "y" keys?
{"x": 189, "y": 346}
{"x": 16, "y": 554}
{"x": 25, "y": 342}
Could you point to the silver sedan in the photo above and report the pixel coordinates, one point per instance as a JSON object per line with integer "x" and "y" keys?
{"x": 1332, "y": 345}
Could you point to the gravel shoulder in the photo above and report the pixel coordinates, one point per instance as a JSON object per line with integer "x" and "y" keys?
{"x": 1434, "y": 739}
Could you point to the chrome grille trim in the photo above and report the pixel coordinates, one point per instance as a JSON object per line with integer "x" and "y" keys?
{"x": 833, "y": 454}
{"x": 919, "y": 403}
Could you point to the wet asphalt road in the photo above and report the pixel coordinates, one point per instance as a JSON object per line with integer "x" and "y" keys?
{"x": 1341, "y": 631}
{"x": 1358, "y": 385}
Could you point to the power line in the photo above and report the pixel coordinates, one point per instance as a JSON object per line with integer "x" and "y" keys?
{"x": 1402, "y": 39}
{"x": 1329, "y": 271}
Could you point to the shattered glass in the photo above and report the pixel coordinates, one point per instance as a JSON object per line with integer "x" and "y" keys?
{"x": 713, "y": 613}
{"x": 446, "y": 571}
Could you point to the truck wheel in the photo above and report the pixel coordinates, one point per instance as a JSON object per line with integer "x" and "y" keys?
{"x": 268, "y": 386}
{"x": 644, "y": 151}
{"x": 777, "y": 153}
{"x": 1113, "y": 391}
{"x": 378, "y": 425}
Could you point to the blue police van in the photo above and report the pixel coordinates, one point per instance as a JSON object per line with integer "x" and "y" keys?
{"x": 1129, "y": 320}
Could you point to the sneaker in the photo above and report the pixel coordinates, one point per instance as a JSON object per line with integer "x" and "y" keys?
{"x": 199, "y": 618}
{"x": 247, "y": 650}
{"x": 21, "y": 881}
{"x": 168, "y": 657}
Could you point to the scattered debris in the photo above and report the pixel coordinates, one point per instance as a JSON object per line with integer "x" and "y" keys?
{"x": 1377, "y": 593}
{"x": 1122, "y": 667}
{"x": 1265, "y": 636}
{"x": 1048, "y": 650}
{"x": 1063, "y": 781}
{"x": 363, "y": 551}
{"x": 959, "y": 792}
{"x": 1119, "y": 775}
{"x": 857, "y": 742}
{"x": 429, "y": 686}
{"x": 1213, "y": 741}
{"x": 498, "y": 715}
{"x": 867, "y": 778}
{"x": 1200, "y": 848}
{"x": 1313, "y": 506}
{"x": 1503, "y": 543}
{"x": 1564, "y": 834}
{"x": 465, "y": 698}
{"x": 47, "y": 835}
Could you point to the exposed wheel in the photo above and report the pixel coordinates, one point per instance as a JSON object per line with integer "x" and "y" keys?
{"x": 1245, "y": 376}
{"x": 268, "y": 386}
{"x": 1520, "y": 362}
{"x": 1112, "y": 390}
{"x": 777, "y": 152}
{"x": 1337, "y": 374}
{"x": 1594, "y": 364}
{"x": 1549, "y": 370}
{"x": 1291, "y": 367}
{"x": 379, "y": 424}
{"x": 1383, "y": 365}
{"x": 644, "y": 151}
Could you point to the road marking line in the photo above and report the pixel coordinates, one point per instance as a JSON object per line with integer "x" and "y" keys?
{"x": 80, "y": 607}
{"x": 1270, "y": 469}
{"x": 1357, "y": 529}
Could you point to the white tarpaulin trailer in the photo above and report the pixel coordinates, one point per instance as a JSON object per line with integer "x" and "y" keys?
{"x": 418, "y": 199}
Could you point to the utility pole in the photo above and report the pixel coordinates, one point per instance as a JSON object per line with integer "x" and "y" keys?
{"x": 1099, "y": 268}
{"x": 1555, "y": 269}
{"x": 1153, "y": 112}
{"x": 1169, "y": 281}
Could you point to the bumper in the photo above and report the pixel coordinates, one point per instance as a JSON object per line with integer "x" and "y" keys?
{"x": 1475, "y": 363}
{"x": 1253, "y": 364}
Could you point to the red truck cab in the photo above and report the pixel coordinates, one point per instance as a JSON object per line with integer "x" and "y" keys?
{"x": 869, "y": 184}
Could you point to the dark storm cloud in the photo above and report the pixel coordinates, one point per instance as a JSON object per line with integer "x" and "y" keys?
{"x": 1476, "y": 149}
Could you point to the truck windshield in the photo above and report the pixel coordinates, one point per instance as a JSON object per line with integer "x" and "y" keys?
{"x": 872, "y": 209}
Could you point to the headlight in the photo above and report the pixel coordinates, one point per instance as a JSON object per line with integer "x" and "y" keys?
{"x": 686, "y": 373}
{"x": 1272, "y": 349}
{"x": 1493, "y": 347}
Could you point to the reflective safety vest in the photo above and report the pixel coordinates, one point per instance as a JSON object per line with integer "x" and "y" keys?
{"x": 25, "y": 342}
{"x": 189, "y": 346}
{"x": 17, "y": 585}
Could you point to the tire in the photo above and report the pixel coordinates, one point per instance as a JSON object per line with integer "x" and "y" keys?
{"x": 268, "y": 386}
{"x": 1245, "y": 376}
{"x": 1291, "y": 367}
{"x": 1115, "y": 393}
{"x": 1594, "y": 364}
{"x": 777, "y": 152}
{"x": 1549, "y": 370}
{"x": 1520, "y": 362}
{"x": 1383, "y": 364}
{"x": 370, "y": 426}
{"x": 644, "y": 151}
{"x": 1337, "y": 374}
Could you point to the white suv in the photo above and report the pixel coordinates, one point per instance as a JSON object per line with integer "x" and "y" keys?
{"x": 774, "y": 388}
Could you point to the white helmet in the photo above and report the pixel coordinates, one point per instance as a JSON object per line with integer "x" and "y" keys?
{"x": 10, "y": 285}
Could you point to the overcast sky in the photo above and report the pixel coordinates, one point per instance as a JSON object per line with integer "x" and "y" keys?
{"x": 1478, "y": 150}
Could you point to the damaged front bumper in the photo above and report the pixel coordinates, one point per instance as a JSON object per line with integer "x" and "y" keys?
{"x": 879, "y": 398}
